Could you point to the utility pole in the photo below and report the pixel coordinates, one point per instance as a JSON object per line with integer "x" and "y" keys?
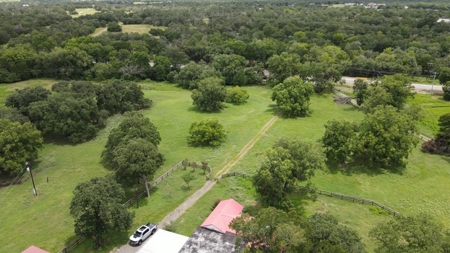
{"x": 434, "y": 78}
{"x": 431, "y": 70}
{"x": 32, "y": 179}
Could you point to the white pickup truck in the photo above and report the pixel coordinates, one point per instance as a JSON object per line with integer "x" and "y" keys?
{"x": 142, "y": 233}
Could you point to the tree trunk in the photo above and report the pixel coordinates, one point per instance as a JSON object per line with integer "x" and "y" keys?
{"x": 146, "y": 185}
{"x": 98, "y": 241}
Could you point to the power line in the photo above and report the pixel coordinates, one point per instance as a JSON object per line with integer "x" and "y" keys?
{"x": 9, "y": 189}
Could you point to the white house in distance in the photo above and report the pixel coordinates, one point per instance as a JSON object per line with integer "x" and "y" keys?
{"x": 445, "y": 20}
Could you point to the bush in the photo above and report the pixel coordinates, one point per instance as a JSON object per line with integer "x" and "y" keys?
{"x": 236, "y": 95}
{"x": 216, "y": 202}
{"x": 206, "y": 133}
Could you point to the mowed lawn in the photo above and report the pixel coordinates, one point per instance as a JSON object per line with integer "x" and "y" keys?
{"x": 47, "y": 217}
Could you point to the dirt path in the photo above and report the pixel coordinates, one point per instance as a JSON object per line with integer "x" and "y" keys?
{"x": 99, "y": 32}
{"x": 175, "y": 214}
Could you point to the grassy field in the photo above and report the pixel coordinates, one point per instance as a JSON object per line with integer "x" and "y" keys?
{"x": 422, "y": 187}
{"x": 67, "y": 165}
{"x": 84, "y": 11}
{"x": 433, "y": 107}
{"x": 7, "y": 89}
{"x": 139, "y": 28}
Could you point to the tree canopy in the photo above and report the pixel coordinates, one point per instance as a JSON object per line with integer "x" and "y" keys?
{"x": 273, "y": 230}
{"x": 19, "y": 143}
{"x": 206, "y": 133}
{"x": 131, "y": 150}
{"x": 97, "y": 209}
{"x": 292, "y": 96}
{"x": 386, "y": 138}
{"x": 286, "y": 164}
{"x": 209, "y": 95}
{"x": 419, "y": 233}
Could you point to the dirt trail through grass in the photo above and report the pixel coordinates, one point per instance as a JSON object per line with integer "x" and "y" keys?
{"x": 99, "y": 32}
{"x": 175, "y": 214}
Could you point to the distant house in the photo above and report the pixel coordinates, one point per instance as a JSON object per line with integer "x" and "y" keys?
{"x": 215, "y": 235}
{"x": 445, "y": 20}
{"x": 34, "y": 249}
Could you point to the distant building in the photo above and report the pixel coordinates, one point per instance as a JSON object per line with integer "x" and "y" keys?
{"x": 374, "y": 5}
{"x": 445, "y": 20}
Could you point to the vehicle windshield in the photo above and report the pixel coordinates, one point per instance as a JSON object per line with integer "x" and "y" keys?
{"x": 137, "y": 234}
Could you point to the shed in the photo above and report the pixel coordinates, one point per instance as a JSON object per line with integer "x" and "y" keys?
{"x": 34, "y": 249}
{"x": 219, "y": 219}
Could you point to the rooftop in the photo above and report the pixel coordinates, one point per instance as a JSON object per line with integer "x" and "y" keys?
{"x": 222, "y": 215}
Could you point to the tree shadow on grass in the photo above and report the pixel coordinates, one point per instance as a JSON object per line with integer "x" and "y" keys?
{"x": 359, "y": 166}
{"x": 273, "y": 109}
{"x": 195, "y": 109}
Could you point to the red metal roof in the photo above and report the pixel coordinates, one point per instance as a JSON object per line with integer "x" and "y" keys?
{"x": 219, "y": 219}
{"x": 34, "y": 249}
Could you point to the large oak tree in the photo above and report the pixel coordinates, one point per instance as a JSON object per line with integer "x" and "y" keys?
{"x": 97, "y": 209}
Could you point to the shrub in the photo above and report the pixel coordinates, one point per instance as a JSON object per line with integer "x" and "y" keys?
{"x": 206, "y": 133}
{"x": 214, "y": 205}
{"x": 236, "y": 95}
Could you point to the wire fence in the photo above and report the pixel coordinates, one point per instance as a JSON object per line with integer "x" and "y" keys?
{"x": 358, "y": 200}
{"x": 128, "y": 203}
{"x": 329, "y": 194}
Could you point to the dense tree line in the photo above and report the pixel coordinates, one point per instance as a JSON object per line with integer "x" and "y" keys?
{"x": 314, "y": 42}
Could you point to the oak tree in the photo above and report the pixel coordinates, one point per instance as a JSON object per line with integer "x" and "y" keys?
{"x": 292, "y": 96}
{"x": 209, "y": 95}
{"x": 97, "y": 209}
{"x": 19, "y": 143}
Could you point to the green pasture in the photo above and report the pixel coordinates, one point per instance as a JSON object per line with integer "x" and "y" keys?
{"x": 84, "y": 11}
{"x": 423, "y": 186}
{"x": 143, "y": 28}
{"x": 67, "y": 165}
{"x": 433, "y": 107}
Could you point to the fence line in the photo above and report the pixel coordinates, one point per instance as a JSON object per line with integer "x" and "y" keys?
{"x": 128, "y": 203}
{"x": 72, "y": 245}
{"x": 327, "y": 193}
{"x": 358, "y": 200}
{"x": 231, "y": 174}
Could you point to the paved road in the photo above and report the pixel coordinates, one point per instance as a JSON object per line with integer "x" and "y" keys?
{"x": 417, "y": 86}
